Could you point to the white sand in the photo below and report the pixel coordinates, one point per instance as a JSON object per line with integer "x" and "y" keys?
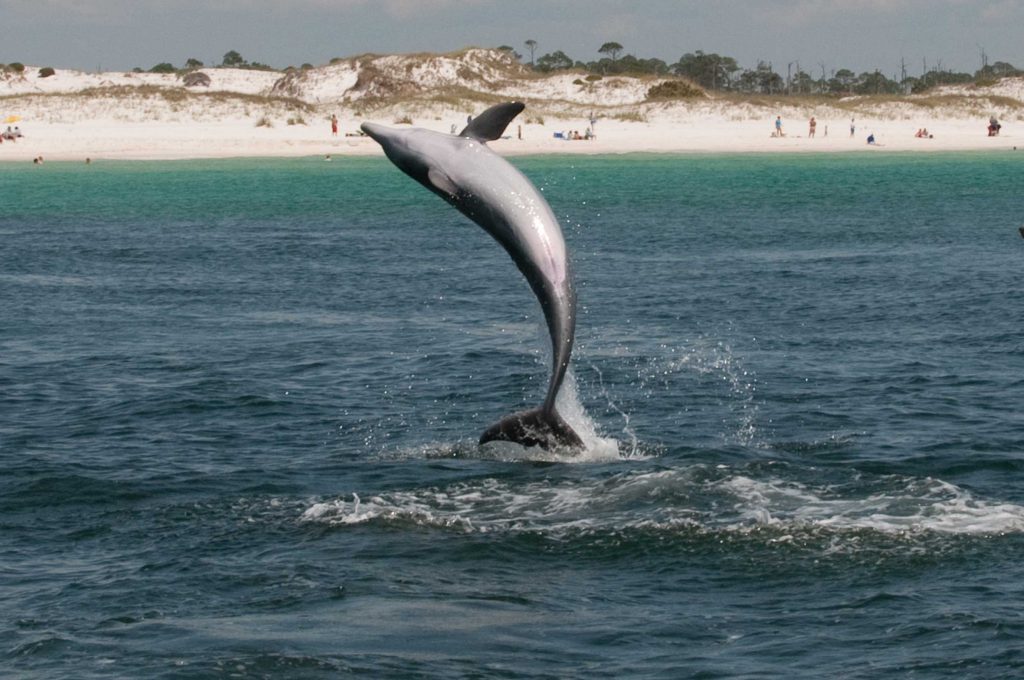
{"x": 113, "y": 139}
{"x": 76, "y": 125}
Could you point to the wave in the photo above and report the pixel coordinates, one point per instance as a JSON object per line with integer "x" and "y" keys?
{"x": 719, "y": 500}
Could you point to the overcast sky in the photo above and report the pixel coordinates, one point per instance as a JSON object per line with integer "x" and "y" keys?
{"x": 858, "y": 34}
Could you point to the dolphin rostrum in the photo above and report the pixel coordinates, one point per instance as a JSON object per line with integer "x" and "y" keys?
{"x": 488, "y": 190}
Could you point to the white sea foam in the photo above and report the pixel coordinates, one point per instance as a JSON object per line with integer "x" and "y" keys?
{"x": 695, "y": 498}
{"x": 906, "y": 504}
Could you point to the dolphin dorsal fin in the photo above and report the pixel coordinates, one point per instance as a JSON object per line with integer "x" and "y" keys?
{"x": 491, "y": 123}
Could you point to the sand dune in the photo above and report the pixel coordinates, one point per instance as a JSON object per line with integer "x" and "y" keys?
{"x": 73, "y": 115}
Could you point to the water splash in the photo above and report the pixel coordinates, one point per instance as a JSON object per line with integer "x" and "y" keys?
{"x": 716, "y": 362}
{"x": 627, "y": 428}
{"x": 596, "y": 447}
{"x": 704, "y": 378}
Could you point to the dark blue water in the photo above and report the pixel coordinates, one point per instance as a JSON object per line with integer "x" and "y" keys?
{"x": 239, "y": 402}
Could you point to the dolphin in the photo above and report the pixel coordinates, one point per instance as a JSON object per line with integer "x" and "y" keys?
{"x": 485, "y": 187}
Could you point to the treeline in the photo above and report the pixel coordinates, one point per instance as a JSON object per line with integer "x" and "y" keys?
{"x": 714, "y": 72}
{"x": 232, "y": 59}
{"x": 722, "y": 73}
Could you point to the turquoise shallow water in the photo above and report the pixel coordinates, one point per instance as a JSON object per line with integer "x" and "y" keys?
{"x": 239, "y": 403}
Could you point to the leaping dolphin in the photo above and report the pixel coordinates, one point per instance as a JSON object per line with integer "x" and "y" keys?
{"x": 484, "y": 187}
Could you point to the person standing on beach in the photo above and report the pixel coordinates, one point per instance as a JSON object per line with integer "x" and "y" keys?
{"x": 813, "y": 124}
{"x": 334, "y": 125}
{"x": 778, "y": 126}
{"x": 853, "y": 129}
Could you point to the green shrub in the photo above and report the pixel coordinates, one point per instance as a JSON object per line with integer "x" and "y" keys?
{"x": 404, "y": 119}
{"x": 674, "y": 89}
{"x": 297, "y": 120}
{"x": 233, "y": 59}
{"x": 16, "y": 66}
{"x": 630, "y": 117}
{"x": 46, "y": 72}
{"x": 196, "y": 79}
{"x": 264, "y": 122}
{"x": 163, "y": 68}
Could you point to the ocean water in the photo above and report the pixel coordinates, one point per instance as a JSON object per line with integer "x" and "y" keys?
{"x": 239, "y": 405}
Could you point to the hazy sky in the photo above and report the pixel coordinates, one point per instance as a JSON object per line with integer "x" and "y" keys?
{"x": 859, "y": 34}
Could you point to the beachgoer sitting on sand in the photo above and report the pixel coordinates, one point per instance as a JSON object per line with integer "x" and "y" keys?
{"x": 871, "y": 138}
{"x": 993, "y": 127}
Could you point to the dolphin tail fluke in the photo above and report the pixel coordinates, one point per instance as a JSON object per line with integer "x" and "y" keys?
{"x": 538, "y": 427}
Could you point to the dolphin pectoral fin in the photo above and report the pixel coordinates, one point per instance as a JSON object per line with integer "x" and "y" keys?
{"x": 491, "y": 123}
{"x": 442, "y": 182}
{"x": 535, "y": 428}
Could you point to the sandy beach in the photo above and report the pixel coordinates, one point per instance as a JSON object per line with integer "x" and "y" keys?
{"x": 109, "y": 139}
{"x": 74, "y": 115}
